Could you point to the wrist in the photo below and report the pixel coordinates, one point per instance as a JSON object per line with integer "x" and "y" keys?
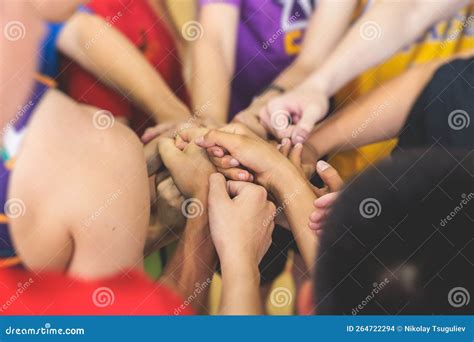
{"x": 320, "y": 83}
{"x": 288, "y": 181}
{"x": 239, "y": 266}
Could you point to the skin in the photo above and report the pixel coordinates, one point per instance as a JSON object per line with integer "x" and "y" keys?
{"x": 111, "y": 188}
{"x": 279, "y": 176}
{"x": 105, "y": 234}
{"x": 307, "y": 103}
{"x": 214, "y": 56}
{"x": 78, "y": 40}
{"x": 394, "y": 101}
{"x": 317, "y": 45}
{"x": 195, "y": 258}
{"x": 239, "y": 215}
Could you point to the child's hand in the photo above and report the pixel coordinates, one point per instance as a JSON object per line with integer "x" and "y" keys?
{"x": 240, "y": 219}
{"x": 326, "y": 195}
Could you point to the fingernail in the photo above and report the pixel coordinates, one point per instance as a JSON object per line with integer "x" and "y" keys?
{"x": 243, "y": 175}
{"x": 217, "y": 153}
{"x": 322, "y": 165}
{"x": 298, "y": 145}
{"x": 199, "y": 140}
{"x": 299, "y": 139}
{"x": 285, "y": 141}
{"x": 234, "y": 162}
{"x": 251, "y": 177}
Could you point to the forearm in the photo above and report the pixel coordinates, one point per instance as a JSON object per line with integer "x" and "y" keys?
{"x": 240, "y": 289}
{"x": 210, "y": 83}
{"x": 377, "y": 116}
{"x": 296, "y": 198}
{"x": 377, "y": 35}
{"x": 128, "y": 71}
{"x": 193, "y": 262}
{"x": 318, "y": 42}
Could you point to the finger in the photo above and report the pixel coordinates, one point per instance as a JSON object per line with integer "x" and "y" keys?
{"x": 229, "y": 141}
{"x": 315, "y": 226}
{"x": 169, "y": 152}
{"x": 215, "y": 151}
{"x": 180, "y": 143}
{"x": 329, "y": 175}
{"x": 217, "y": 190}
{"x": 237, "y": 174}
{"x": 320, "y": 192}
{"x": 318, "y": 216}
{"x": 190, "y": 134}
{"x": 253, "y": 123}
{"x": 235, "y": 188}
{"x": 295, "y": 155}
{"x": 152, "y": 156}
{"x": 308, "y": 169}
{"x": 152, "y": 132}
{"x": 285, "y": 147}
{"x": 163, "y": 185}
{"x": 326, "y": 201}
{"x": 225, "y": 162}
{"x": 311, "y": 114}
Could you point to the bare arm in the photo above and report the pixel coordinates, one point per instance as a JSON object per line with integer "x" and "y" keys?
{"x": 79, "y": 41}
{"x": 377, "y": 35}
{"x": 213, "y": 60}
{"x": 193, "y": 263}
{"x": 319, "y": 41}
{"x": 377, "y": 116}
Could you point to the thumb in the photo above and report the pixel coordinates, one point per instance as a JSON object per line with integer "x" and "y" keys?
{"x": 230, "y": 142}
{"x": 217, "y": 190}
{"x": 329, "y": 175}
{"x": 169, "y": 153}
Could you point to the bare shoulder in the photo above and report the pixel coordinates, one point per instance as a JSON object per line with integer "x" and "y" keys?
{"x": 73, "y": 150}
{"x": 77, "y": 171}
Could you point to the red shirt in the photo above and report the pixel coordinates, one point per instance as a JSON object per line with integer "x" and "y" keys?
{"x": 25, "y": 293}
{"x": 139, "y": 23}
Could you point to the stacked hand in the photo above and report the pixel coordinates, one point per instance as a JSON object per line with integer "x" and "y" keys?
{"x": 241, "y": 220}
{"x": 294, "y": 114}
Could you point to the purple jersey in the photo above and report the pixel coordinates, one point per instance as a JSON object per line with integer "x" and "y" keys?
{"x": 269, "y": 37}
